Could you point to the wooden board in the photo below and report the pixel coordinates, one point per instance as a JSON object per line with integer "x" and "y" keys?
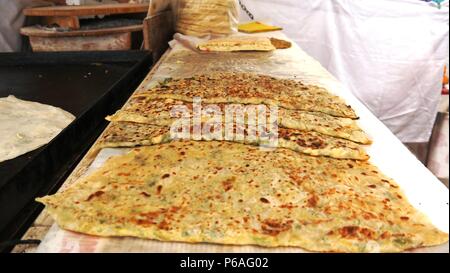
{"x": 39, "y": 32}
{"x": 115, "y": 41}
{"x": 86, "y": 10}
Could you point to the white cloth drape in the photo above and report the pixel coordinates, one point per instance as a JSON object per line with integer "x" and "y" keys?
{"x": 389, "y": 53}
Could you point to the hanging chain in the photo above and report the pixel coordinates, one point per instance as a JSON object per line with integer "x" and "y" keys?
{"x": 244, "y": 8}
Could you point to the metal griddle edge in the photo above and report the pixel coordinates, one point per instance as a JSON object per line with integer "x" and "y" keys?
{"x": 90, "y": 85}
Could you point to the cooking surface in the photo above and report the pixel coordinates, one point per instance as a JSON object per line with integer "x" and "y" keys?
{"x": 74, "y": 88}
{"x": 88, "y": 85}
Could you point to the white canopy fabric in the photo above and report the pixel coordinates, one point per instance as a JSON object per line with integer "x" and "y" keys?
{"x": 389, "y": 53}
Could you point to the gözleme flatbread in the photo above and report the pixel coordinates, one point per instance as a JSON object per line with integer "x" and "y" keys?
{"x": 157, "y": 112}
{"x": 245, "y": 88}
{"x": 229, "y": 193}
{"x": 128, "y": 134}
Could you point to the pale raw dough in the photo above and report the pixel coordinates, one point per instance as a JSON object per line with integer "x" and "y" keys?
{"x": 26, "y": 126}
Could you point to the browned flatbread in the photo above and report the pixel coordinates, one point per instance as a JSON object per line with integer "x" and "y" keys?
{"x": 157, "y": 112}
{"x": 246, "y": 88}
{"x": 129, "y": 134}
{"x": 229, "y": 193}
{"x": 200, "y": 18}
{"x": 280, "y": 44}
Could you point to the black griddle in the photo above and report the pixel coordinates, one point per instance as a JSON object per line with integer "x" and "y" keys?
{"x": 90, "y": 85}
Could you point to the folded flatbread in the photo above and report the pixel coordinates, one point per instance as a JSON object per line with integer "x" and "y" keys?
{"x": 229, "y": 193}
{"x": 280, "y": 44}
{"x": 129, "y": 134}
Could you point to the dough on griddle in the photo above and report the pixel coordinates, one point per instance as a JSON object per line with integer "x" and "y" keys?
{"x": 26, "y": 126}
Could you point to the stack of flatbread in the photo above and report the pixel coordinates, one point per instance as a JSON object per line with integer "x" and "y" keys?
{"x": 312, "y": 120}
{"x": 315, "y": 189}
{"x": 203, "y": 17}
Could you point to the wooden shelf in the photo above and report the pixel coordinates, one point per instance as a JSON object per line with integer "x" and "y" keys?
{"x": 87, "y": 10}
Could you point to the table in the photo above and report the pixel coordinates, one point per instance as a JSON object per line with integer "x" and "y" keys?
{"x": 424, "y": 191}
